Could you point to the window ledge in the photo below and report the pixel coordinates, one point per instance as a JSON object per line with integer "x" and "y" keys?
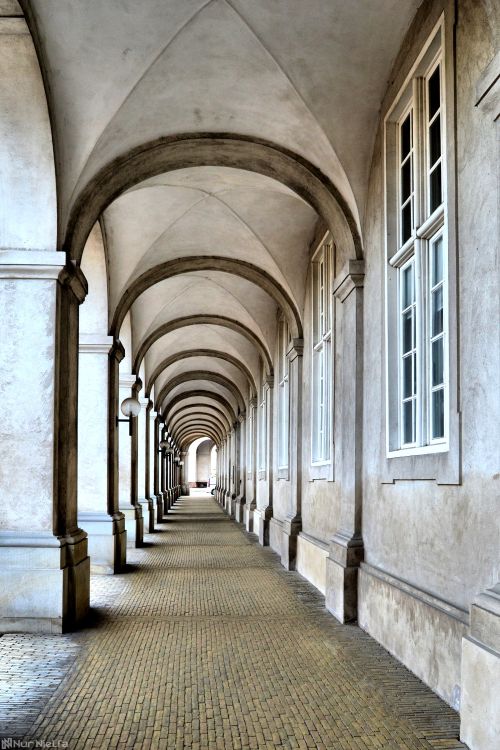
{"x": 420, "y": 451}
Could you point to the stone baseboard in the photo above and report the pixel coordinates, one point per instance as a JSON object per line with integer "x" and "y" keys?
{"x": 423, "y": 632}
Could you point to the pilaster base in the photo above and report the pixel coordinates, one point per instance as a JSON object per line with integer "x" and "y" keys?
{"x": 134, "y": 524}
{"x": 290, "y": 533}
{"x": 44, "y": 582}
{"x": 149, "y": 513}
{"x": 239, "y": 510}
{"x": 480, "y": 700}
{"x": 342, "y": 565}
{"x": 107, "y": 541}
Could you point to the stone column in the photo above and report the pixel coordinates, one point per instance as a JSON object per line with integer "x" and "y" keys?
{"x": 155, "y": 464}
{"x": 292, "y": 525}
{"x": 251, "y": 467}
{"x": 139, "y": 438}
{"x": 182, "y": 471}
{"x": 264, "y": 513}
{"x": 127, "y": 487}
{"x": 242, "y": 471}
{"x": 104, "y": 523}
{"x": 346, "y": 547}
{"x": 228, "y": 489}
{"x": 44, "y": 565}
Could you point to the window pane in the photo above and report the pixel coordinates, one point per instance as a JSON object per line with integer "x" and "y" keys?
{"x": 438, "y": 414}
{"x": 433, "y": 88}
{"x": 406, "y": 137}
{"x": 407, "y": 332}
{"x": 408, "y": 422}
{"x": 436, "y": 197}
{"x": 407, "y": 372}
{"x": 437, "y": 311}
{"x": 408, "y": 296}
{"x": 437, "y": 261}
{"x": 406, "y": 221}
{"x": 405, "y": 180}
{"x": 435, "y": 141}
{"x": 437, "y": 362}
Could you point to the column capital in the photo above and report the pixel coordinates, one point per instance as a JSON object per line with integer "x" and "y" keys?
{"x": 351, "y": 277}
{"x": 127, "y": 380}
{"x": 295, "y": 349}
{"x": 242, "y": 416}
{"x": 117, "y": 350}
{"x": 269, "y": 382}
{"x": 93, "y": 343}
{"x": 252, "y": 402}
{"x": 73, "y": 278}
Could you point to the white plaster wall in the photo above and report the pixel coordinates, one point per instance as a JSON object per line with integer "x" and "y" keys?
{"x": 443, "y": 539}
{"x": 452, "y": 536}
{"x": 27, "y": 311}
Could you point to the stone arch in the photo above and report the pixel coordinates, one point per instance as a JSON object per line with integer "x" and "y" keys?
{"x": 209, "y": 410}
{"x": 197, "y": 394}
{"x": 195, "y": 425}
{"x": 187, "y": 437}
{"x": 200, "y": 353}
{"x": 191, "y": 320}
{"x": 205, "y": 375}
{"x": 209, "y": 263}
{"x": 211, "y": 149}
{"x": 193, "y": 419}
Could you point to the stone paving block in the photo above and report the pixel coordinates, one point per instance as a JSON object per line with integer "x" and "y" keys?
{"x": 207, "y": 642}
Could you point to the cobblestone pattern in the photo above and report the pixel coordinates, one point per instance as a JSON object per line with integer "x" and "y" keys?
{"x": 188, "y": 653}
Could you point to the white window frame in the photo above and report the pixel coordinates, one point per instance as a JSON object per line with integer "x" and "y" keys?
{"x": 426, "y": 229}
{"x": 322, "y": 359}
{"x": 283, "y": 399}
{"x": 262, "y": 425}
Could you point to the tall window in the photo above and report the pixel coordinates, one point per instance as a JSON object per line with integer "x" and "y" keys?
{"x": 417, "y": 291}
{"x": 283, "y": 395}
{"x": 321, "y": 354}
{"x": 262, "y": 425}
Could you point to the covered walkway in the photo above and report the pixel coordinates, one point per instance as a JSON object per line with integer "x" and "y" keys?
{"x": 206, "y": 641}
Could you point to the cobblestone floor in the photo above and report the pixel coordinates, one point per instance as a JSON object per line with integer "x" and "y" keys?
{"x": 207, "y": 642}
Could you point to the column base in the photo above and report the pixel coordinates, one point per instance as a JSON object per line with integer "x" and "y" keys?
{"x": 44, "y": 582}
{"x": 158, "y": 503}
{"x": 261, "y": 520}
{"x": 168, "y": 499}
{"x": 239, "y": 510}
{"x": 149, "y": 513}
{"x": 342, "y": 565}
{"x": 107, "y": 541}
{"x": 480, "y": 700}
{"x": 290, "y": 533}
{"x": 248, "y": 511}
{"x": 134, "y": 524}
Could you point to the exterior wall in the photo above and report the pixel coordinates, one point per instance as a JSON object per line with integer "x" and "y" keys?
{"x": 449, "y": 547}
{"x": 429, "y": 547}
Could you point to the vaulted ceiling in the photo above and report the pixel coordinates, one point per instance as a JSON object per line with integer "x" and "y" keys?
{"x": 204, "y": 244}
